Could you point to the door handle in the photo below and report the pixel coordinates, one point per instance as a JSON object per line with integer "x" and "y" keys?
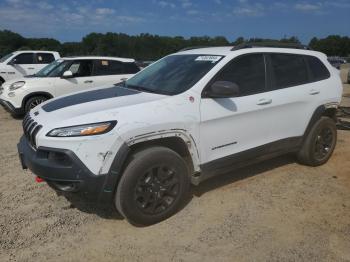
{"x": 264, "y": 101}
{"x": 314, "y": 92}
{"x": 88, "y": 82}
{"x": 123, "y": 79}
{"x": 31, "y": 68}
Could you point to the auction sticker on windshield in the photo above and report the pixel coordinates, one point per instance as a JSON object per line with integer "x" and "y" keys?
{"x": 209, "y": 58}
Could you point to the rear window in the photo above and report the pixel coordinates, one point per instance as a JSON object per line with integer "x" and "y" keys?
{"x": 288, "y": 70}
{"x": 317, "y": 69}
{"x": 45, "y": 58}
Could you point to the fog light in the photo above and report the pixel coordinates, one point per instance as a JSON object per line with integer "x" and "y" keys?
{"x": 11, "y": 94}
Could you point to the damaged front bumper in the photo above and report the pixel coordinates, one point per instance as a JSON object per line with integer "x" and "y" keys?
{"x": 65, "y": 172}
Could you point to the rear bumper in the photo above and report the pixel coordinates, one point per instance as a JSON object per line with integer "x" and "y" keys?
{"x": 11, "y": 109}
{"x": 65, "y": 172}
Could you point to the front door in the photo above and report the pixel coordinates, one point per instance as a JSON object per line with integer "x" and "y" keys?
{"x": 237, "y": 124}
{"x": 22, "y": 65}
{"x": 81, "y": 80}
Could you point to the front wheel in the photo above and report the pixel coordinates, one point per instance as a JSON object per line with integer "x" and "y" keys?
{"x": 33, "y": 102}
{"x": 153, "y": 187}
{"x": 319, "y": 143}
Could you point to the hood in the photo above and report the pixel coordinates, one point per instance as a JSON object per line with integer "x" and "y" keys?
{"x": 95, "y": 102}
{"x": 28, "y": 79}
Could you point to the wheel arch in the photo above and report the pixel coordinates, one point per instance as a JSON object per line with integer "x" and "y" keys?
{"x": 29, "y": 96}
{"x": 329, "y": 110}
{"x": 2, "y": 79}
{"x": 177, "y": 140}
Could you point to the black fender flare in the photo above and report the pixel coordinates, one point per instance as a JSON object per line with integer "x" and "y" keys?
{"x": 318, "y": 113}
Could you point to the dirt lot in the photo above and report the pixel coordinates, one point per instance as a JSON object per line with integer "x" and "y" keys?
{"x": 274, "y": 211}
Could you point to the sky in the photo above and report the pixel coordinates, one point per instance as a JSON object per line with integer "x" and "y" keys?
{"x": 71, "y": 20}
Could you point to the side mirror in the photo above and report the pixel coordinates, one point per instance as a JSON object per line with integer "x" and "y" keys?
{"x": 222, "y": 89}
{"x": 67, "y": 74}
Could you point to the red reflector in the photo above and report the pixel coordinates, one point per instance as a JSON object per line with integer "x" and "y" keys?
{"x": 39, "y": 180}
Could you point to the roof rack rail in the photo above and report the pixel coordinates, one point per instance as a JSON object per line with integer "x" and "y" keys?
{"x": 193, "y": 47}
{"x": 270, "y": 44}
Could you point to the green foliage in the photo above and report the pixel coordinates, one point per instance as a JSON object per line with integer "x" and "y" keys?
{"x": 10, "y": 41}
{"x": 147, "y": 46}
{"x": 333, "y": 45}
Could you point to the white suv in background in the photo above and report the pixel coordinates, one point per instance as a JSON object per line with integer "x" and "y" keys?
{"x": 22, "y": 63}
{"x": 64, "y": 76}
{"x": 188, "y": 117}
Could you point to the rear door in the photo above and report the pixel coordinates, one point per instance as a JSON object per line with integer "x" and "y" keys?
{"x": 292, "y": 96}
{"x": 82, "y": 78}
{"x": 108, "y": 72}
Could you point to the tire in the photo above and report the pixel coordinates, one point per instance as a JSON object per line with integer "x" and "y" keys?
{"x": 33, "y": 102}
{"x": 319, "y": 143}
{"x": 153, "y": 187}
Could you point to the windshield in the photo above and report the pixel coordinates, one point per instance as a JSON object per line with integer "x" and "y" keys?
{"x": 48, "y": 69}
{"x": 173, "y": 74}
{"x": 4, "y": 58}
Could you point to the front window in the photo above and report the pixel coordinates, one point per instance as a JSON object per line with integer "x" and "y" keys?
{"x": 4, "y": 58}
{"x": 79, "y": 68}
{"x": 48, "y": 69}
{"x": 173, "y": 74}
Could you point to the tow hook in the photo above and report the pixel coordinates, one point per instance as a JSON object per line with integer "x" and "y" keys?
{"x": 39, "y": 180}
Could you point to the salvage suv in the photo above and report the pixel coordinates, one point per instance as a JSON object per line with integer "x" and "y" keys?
{"x": 187, "y": 117}
{"x": 62, "y": 77}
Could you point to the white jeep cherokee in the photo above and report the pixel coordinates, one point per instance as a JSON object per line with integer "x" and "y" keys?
{"x": 22, "y": 63}
{"x": 189, "y": 116}
{"x": 62, "y": 77}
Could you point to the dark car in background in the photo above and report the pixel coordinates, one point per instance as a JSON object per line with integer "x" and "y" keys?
{"x": 336, "y": 61}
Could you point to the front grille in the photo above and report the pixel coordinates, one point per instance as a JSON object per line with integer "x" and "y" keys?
{"x": 30, "y": 129}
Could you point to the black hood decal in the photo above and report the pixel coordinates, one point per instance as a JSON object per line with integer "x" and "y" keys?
{"x": 88, "y": 97}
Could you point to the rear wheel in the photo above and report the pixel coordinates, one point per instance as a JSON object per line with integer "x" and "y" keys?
{"x": 319, "y": 143}
{"x": 154, "y": 186}
{"x": 33, "y": 102}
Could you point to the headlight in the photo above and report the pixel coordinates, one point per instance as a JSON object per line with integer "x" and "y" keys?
{"x": 16, "y": 85}
{"x": 83, "y": 130}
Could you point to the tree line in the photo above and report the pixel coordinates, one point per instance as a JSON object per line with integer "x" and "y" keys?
{"x": 148, "y": 46}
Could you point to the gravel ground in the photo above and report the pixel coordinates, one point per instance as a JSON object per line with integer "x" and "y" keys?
{"x": 274, "y": 211}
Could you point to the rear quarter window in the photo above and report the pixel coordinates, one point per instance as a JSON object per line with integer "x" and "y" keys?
{"x": 318, "y": 70}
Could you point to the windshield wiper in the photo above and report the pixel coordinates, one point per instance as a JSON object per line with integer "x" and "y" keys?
{"x": 140, "y": 88}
